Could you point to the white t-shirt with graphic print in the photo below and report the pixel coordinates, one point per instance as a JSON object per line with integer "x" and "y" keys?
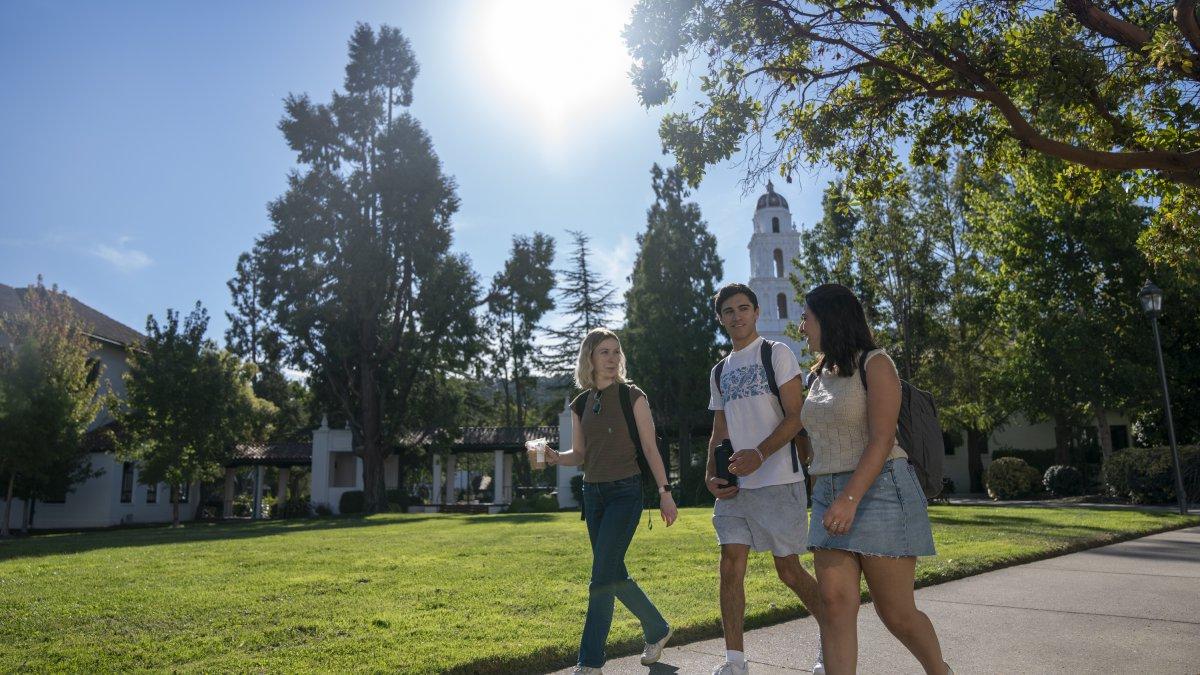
{"x": 752, "y": 412}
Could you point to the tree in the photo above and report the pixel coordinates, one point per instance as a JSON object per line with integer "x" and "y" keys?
{"x": 671, "y": 329}
{"x": 913, "y": 260}
{"x": 48, "y": 398}
{"x": 519, "y": 298}
{"x": 1068, "y": 275}
{"x": 187, "y": 406}
{"x": 1109, "y": 86}
{"x": 357, "y": 267}
{"x": 587, "y": 300}
{"x": 253, "y": 335}
{"x": 878, "y": 249}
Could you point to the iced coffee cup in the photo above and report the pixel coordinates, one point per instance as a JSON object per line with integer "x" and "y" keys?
{"x": 537, "y": 450}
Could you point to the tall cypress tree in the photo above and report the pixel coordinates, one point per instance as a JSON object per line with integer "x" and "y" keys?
{"x": 670, "y": 333}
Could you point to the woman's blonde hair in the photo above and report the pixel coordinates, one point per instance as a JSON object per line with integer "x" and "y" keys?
{"x": 584, "y": 378}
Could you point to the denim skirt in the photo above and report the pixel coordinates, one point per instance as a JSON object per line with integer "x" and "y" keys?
{"x": 892, "y": 519}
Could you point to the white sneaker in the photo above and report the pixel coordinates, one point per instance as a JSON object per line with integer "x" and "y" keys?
{"x": 653, "y": 651}
{"x": 819, "y": 664}
{"x": 586, "y": 670}
{"x": 730, "y": 668}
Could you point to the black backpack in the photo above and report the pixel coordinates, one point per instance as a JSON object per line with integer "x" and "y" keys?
{"x": 764, "y": 355}
{"x": 918, "y": 432}
{"x": 626, "y": 398}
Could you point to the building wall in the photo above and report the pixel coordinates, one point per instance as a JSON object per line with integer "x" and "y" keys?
{"x": 97, "y": 502}
{"x": 327, "y": 441}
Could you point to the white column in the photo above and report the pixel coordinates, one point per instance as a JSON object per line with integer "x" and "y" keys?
{"x": 566, "y": 420}
{"x": 451, "y": 492}
{"x": 435, "y": 490}
{"x": 508, "y": 478}
{"x": 258, "y": 488}
{"x": 227, "y": 502}
{"x": 498, "y": 478}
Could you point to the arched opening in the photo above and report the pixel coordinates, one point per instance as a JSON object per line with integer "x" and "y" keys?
{"x": 775, "y": 224}
{"x": 779, "y": 263}
{"x": 781, "y": 301}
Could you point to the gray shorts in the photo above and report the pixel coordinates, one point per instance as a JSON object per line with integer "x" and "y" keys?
{"x": 772, "y": 518}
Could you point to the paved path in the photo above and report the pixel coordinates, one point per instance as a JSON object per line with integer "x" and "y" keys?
{"x": 1132, "y": 607}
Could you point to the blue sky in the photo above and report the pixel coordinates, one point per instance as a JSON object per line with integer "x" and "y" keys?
{"x": 140, "y": 148}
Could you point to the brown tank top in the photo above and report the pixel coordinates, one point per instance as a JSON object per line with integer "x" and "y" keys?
{"x": 609, "y": 452}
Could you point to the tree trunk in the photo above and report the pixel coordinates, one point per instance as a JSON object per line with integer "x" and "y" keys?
{"x": 8, "y": 505}
{"x": 1103, "y": 433}
{"x": 1062, "y": 440}
{"x": 175, "y": 497}
{"x": 25, "y": 518}
{"x": 685, "y": 464}
{"x": 977, "y": 441}
{"x": 374, "y": 490}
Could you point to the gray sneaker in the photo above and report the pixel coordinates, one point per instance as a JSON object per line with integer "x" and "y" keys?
{"x": 653, "y": 651}
{"x": 819, "y": 664}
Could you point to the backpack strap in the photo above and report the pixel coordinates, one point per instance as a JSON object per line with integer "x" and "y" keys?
{"x": 625, "y": 394}
{"x": 765, "y": 354}
{"x": 580, "y": 403}
{"x": 717, "y": 374}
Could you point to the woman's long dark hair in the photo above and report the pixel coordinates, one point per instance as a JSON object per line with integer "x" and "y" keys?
{"x": 844, "y": 329}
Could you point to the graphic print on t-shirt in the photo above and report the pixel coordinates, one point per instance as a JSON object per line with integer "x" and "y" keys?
{"x": 744, "y": 382}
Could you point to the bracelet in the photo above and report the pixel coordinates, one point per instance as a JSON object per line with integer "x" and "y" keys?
{"x": 761, "y": 459}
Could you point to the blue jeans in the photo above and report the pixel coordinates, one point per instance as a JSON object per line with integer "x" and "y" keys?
{"x": 612, "y": 510}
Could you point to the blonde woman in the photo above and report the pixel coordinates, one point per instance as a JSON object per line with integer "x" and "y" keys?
{"x": 603, "y": 443}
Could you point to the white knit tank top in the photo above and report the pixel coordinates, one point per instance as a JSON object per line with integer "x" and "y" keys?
{"x": 835, "y": 415}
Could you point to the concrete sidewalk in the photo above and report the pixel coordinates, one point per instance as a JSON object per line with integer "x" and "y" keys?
{"x": 1132, "y": 607}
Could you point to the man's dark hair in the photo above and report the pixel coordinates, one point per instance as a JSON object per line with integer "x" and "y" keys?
{"x": 728, "y": 291}
{"x": 844, "y": 329}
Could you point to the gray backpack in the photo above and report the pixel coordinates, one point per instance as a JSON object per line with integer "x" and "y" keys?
{"x": 918, "y": 432}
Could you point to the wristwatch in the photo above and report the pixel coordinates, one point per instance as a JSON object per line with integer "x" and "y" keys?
{"x": 664, "y": 489}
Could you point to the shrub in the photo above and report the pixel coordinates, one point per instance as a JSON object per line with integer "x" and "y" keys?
{"x": 1147, "y": 475}
{"x": 1063, "y": 481}
{"x": 1011, "y": 478}
{"x": 322, "y": 510}
{"x": 353, "y": 501}
{"x": 296, "y": 507}
{"x": 1040, "y": 459}
{"x": 577, "y": 488}
{"x": 543, "y": 503}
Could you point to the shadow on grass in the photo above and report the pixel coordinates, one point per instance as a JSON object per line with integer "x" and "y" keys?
{"x": 40, "y": 545}
{"x": 47, "y": 544}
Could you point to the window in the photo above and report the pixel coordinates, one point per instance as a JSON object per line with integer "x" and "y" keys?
{"x": 1120, "y": 436}
{"x": 781, "y": 301}
{"x": 950, "y": 441}
{"x": 778, "y": 263}
{"x": 152, "y": 493}
{"x": 127, "y": 483}
{"x": 775, "y": 224}
{"x": 342, "y": 473}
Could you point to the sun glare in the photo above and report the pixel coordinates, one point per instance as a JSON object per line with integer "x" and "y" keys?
{"x": 555, "y": 63}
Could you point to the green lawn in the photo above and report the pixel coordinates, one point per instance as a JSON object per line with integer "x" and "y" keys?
{"x": 418, "y": 593}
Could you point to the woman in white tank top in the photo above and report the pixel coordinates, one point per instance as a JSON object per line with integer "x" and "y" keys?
{"x": 869, "y": 514}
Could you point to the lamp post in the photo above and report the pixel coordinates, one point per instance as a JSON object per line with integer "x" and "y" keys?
{"x": 1151, "y": 298}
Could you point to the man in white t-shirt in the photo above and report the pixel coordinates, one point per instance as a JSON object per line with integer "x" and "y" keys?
{"x": 767, "y": 509}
